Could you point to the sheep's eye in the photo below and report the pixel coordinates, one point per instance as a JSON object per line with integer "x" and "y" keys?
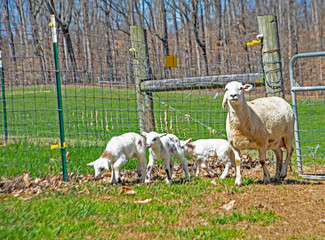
{"x": 241, "y": 88}
{"x": 154, "y": 139}
{"x": 226, "y": 89}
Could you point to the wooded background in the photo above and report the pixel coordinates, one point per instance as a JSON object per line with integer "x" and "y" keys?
{"x": 209, "y": 37}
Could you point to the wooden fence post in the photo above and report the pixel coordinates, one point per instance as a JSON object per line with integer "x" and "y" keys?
{"x": 271, "y": 57}
{"x": 142, "y": 72}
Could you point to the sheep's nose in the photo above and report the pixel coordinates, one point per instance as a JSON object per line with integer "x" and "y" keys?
{"x": 233, "y": 95}
{"x": 148, "y": 145}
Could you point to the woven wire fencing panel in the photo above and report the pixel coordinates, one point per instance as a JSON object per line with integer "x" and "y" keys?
{"x": 310, "y": 105}
{"x": 99, "y": 98}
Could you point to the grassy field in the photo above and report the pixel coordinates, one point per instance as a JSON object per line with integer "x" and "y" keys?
{"x": 92, "y": 115}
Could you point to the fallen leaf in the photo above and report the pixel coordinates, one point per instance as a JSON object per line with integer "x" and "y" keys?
{"x": 26, "y": 179}
{"x": 143, "y": 201}
{"x": 128, "y": 191}
{"x": 228, "y": 206}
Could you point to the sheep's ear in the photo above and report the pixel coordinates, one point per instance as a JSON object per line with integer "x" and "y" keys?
{"x": 247, "y": 87}
{"x": 162, "y": 135}
{"x": 144, "y": 134}
{"x": 225, "y": 101}
{"x": 91, "y": 164}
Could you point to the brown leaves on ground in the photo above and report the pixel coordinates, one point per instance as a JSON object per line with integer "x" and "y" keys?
{"x": 25, "y": 185}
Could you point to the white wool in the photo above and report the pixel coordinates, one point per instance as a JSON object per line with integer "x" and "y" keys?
{"x": 261, "y": 124}
{"x": 203, "y": 149}
{"x": 163, "y": 147}
{"x": 118, "y": 150}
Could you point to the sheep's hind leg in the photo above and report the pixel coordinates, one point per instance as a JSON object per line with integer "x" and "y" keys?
{"x": 278, "y": 153}
{"x": 266, "y": 174}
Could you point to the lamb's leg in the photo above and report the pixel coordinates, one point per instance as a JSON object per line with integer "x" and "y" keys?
{"x": 266, "y": 174}
{"x": 278, "y": 153}
{"x": 184, "y": 164}
{"x": 237, "y": 163}
{"x": 113, "y": 177}
{"x": 171, "y": 167}
{"x": 205, "y": 167}
{"x": 149, "y": 168}
{"x": 119, "y": 163}
{"x": 141, "y": 167}
{"x": 168, "y": 172}
{"x": 226, "y": 171}
{"x": 197, "y": 164}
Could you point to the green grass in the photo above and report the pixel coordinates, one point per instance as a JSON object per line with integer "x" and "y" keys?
{"x": 92, "y": 115}
{"x": 106, "y": 213}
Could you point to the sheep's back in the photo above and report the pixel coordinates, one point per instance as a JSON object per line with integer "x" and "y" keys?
{"x": 276, "y": 114}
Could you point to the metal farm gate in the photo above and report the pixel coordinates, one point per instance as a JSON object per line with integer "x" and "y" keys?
{"x": 308, "y": 102}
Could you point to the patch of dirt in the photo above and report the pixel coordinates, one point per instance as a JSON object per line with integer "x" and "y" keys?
{"x": 300, "y": 204}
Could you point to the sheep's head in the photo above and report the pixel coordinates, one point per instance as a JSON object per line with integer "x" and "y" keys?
{"x": 186, "y": 145}
{"x": 152, "y": 137}
{"x": 234, "y": 94}
{"x": 100, "y": 165}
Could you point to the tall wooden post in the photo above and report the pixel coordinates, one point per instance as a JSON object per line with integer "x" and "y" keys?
{"x": 142, "y": 72}
{"x": 271, "y": 57}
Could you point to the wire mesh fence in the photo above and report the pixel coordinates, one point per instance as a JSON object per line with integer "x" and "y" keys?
{"x": 99, "y": 98}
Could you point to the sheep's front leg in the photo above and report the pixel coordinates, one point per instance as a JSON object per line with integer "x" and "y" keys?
{"x": 237, "y": 162}
{"x": 149, "y": 169}
{"x": 168, "y": 171}
{"x": 266, "y": 174}
{"x": 116, "y": 169}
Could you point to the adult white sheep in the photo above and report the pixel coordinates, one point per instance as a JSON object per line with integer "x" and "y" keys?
{"x": 261, "y": 124}
{"x": 118, "y": 150}
{"x": 202, "y": 149}
{"x": 163, "y": 147}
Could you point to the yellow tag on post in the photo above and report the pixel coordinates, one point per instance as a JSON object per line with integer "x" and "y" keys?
{"x": 170, "y": 61}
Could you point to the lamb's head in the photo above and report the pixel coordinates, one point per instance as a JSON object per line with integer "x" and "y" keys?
{"x": 152, "y": 138}
{"x": 234, "y": 94}
{"x": 187, "y": 146}
{"x": 100, "y": 165}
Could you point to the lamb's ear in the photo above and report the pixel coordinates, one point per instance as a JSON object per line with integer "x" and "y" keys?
{"x": 188, "y": 141}
{"x": 247, "y": 87}
{"x": 162, "y": 135}
{"x": 225, "y": 101}
{"x": 91, "y": 164}
{"x": 144, "y": 134}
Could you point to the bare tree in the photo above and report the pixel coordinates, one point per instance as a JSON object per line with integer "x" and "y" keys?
{"x": 6, "y": 20}
{"x": 63, "y": 16}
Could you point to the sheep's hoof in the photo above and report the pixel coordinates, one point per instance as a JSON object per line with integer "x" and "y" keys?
{"x": 276, "y": 178}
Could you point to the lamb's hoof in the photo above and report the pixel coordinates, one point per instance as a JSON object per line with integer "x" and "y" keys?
{"x": 167, "y": 181}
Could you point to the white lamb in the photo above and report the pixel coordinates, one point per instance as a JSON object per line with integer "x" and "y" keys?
{"x": 202, "y": 149}
{"x": 163, "y": 147}
{"x": 118, "y": 150}
{"x": 261, "y": 124}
